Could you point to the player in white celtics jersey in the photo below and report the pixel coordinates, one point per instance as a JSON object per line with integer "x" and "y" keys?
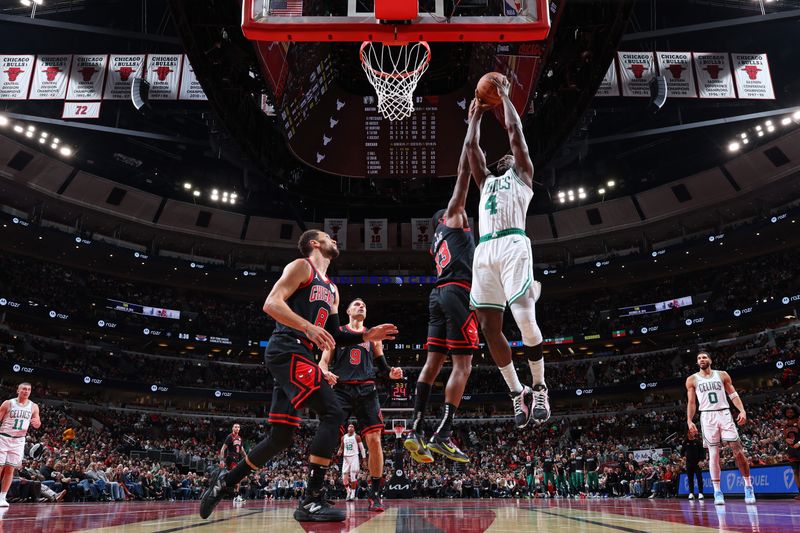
{"x": 502, "y": 269}
{"x": 350, "y": 448}
{"x": 16, "y": 415}
{"x": 711, "y": 389}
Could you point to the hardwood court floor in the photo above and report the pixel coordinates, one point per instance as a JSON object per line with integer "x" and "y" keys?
{"x": 416, "y": 516}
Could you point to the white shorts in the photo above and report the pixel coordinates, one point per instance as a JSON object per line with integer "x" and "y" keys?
{"x": 502, "y": 271}
{"x": 351, "y": 466}
{"x": 718, "y": 427}
{"x": 11, "y": 451}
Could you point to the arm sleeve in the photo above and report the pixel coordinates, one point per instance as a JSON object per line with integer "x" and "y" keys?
{"x": 342, "y": 338}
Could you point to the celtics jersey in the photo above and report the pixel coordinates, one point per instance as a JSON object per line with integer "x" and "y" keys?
{"x": 710, "y": 392}
{"x": 17, "y": 420}
{"x": 504, "y": 203}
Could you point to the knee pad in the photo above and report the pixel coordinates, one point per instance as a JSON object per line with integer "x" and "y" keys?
{"x": 533, "y": 353}
{"x": 524, "y": 313}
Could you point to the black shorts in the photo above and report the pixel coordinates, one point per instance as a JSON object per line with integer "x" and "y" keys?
{"x": 231, "y": 462}
{"x": 360, "y": 400}
{"x": 296, "y": 375}
{"x": 452, "y": 326}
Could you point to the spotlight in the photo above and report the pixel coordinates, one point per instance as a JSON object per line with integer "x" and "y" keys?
{"x": 611, "y": 183}
{"x": 233, "y": 200}
{"x": 234, "y": 196}
{"x": 42, "y": 140}
{"x": 224, "y": 199}
{"x": 768, "y": 123}
{"x": 571, "y": 192}
{"x": 580, "y": 190}
{"x": 581, "y": 195}
{"x": 561, "y": 199}
{"x": 214, "y": 192}
{"x": 733, "y": 147}
{"x": 770, "y": 128}
{"x": 796, "y": 115}
{"x": 187, "y": 185}
{"x": 18, "y": 129}
{"x": 29, "y": 134}
{"x": 56, "y": 140}
{"x": 601, "y": 191}
{"x": 54, "y": 146}
{"x": 561, "y": 194}
{"x": 66, "y": 151}
{"x": 785, "y": 121}
{"x": 26, "y": 3}
{"x": 758, "y": 128}
{"x": 745, "y": 141}
{"x": 40, "y": 2}
{"x": 196, "y": 193}
{"x": 214, "y": 197}
{"x": 760, "y": 133}
{"x": 31, "y": 128}
{"x": 44, "y": 134}
{"x": 3, "y": 120}
{"x": 743, "y": 136}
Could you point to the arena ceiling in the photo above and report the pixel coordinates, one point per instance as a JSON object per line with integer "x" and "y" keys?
{"x": 228, "y": 143}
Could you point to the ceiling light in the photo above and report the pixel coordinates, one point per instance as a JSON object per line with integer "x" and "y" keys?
{"x": 770, "y": 128}
{"x": 3, "y": 120}
{"x": 224, "y": 199}
{"x": 745, "y": 141}
{"x": 28, "y": 134}
{"x": 733, "y": 147}
{"x": 25, "y": 3}
{"x": 196, "y": 193}
{"x": 44, "y": 134}
{"x": 768, "y": 123}
{"x": 234, "y": 195}
{"x": 18, "y": 129}
{"x": 785, "y": 121}
{"x": 581, "y": 195}
{"x": 561, "y": 194}
{"x": 66, "y": 151}
{"x": 40, "y": 2}
{"x": 31, "y": 128}
{"x": 187, "y": 185}
{"x": 571, "y": 192}
{"x": 56, "y": 140}
{"x": 601, "y": 190}
{"x": 758, "y": 128}
{"x": 214, "y": 197}
{"x": 42, "y": 140}
{"x": 562, "y": 200}
{"x": 233, "y": 200}
{"x": 760, "y": 133}
{"x": 214, "y": 192}
{"x": 743, "y": 136}
{"x": 580, "y": 190}
{"x": 611, "y": 183}
{"x": 796, "y": 115}
{"x": 54, "y": 146}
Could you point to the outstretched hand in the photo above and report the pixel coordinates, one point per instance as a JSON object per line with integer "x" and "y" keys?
{"x": 502, "y": 84}
{"x": 380, "y": 333}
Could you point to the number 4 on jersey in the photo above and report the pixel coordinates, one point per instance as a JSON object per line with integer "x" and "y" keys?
{"x": 491, "y": 204}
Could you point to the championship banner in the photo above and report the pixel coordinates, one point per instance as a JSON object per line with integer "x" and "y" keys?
{"x": 15, "y": 76}
{"x": 714, "y": 77}
{"x": 164, "y": 75}
{"x": 376, "y": 234}
{"x": 421, "y": 233}
{"x": 81, "y": 110}
{"x": 610, "y": 85}
{"x": 752, "y": 76}
{"x": 337, "y": 229}
{"x": 190, "y": 86}
{"x": 636, "y": 69}
{"x": 86, "y": 77}
{"x": 122, "y": 69}
{"x": 677, "y": 68}
{"x": 50, "y": 77}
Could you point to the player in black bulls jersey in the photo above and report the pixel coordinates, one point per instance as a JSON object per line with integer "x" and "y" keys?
{"x": 452, "y": 327}
{"x": 232, "y": 452}
{"x": 352, "y": 374}
{"x": 305, "y": 304}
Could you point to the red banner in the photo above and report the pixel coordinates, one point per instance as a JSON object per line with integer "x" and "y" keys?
{"x": 714, "y": 77}
{"x": 87, "y": 76}
{"x": 753, "y": 79}
{"x": 15, "y": 76}
{"x": 164, "y": 75}
{"x": 636, "y": 69}
{"x": 678, "y": 69}
{"x": 50, "y": 77}
{"x": 122, "y": 69}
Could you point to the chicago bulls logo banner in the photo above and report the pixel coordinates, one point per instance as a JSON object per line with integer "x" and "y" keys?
{"x": 376, "y": 234}
{"x": 50, "y": 77}
{"x": 164, "y": 75}
{"x": 610, "y": 85}
{"x": 337, "y": 229}
{"x": 753, "y": 79}
{"x": 15, "y": 76}
{"x": 636, "y": 69}
{"x": 421, "y": 233}
{"x": 714, "y": 76}
{"x": 122, "y": 69}
{"x": 87, "y": 76}
{"x": 190, "y": 86}
{"x": 678, "y": 69}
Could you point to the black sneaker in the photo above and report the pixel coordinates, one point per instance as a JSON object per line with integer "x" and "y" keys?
{"x": 541, "y": 404}
{"x": 318, "y": 509}
{"x": 217, "y": 489}
{"x": 447, "y": 448}
{"x": 419, "y": 450}
{"x": 523, "y": 406}
{"x": 375, "y": 503}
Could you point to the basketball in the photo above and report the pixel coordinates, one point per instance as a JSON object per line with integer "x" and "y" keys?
{"x": 486, "y": 90}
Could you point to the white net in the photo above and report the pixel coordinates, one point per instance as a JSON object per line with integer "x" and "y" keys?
{"x": 394, "y": 71}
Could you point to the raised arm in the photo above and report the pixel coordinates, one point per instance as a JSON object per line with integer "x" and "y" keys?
{"x": 516, "y": 138}
{"x": 294, "y": 275}
{"x": 691, "y": 406}
{"x": 727, "y": 382}
{"x": 472, "y": 144}
{"x": 456, "y": 214}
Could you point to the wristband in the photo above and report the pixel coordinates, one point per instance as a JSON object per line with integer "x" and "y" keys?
{"x": 383, "y": 364}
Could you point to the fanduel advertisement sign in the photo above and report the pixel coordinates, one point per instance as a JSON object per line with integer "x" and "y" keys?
{"x": 766, "y": 480}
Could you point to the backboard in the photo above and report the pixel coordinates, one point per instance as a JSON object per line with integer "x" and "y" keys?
{"x": 428, "y": 20}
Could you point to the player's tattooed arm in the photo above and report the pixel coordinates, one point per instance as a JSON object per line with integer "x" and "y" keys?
{"x": 294, "y": 275}
{"x": 516, "y": 137}
{"x": 472, "y": 144}
{"x": 691, "y": 406}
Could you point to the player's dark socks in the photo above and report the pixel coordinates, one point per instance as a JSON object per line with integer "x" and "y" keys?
{"x": 316, "y": 478}
{"x": 445, "y": 428}
{"x": 279, "y": 439}
{"x": 376, "y": 483}
{"x": 420, "y": 404}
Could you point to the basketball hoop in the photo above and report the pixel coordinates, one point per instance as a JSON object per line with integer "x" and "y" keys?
{"x": 394, "y": 69}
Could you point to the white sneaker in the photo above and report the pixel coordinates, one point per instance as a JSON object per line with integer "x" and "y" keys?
{"x": 4, "y": 503}
{"x": 691, "y": 496}
{"x": 700, "y": 496}
{"x": 541, "y": 404}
